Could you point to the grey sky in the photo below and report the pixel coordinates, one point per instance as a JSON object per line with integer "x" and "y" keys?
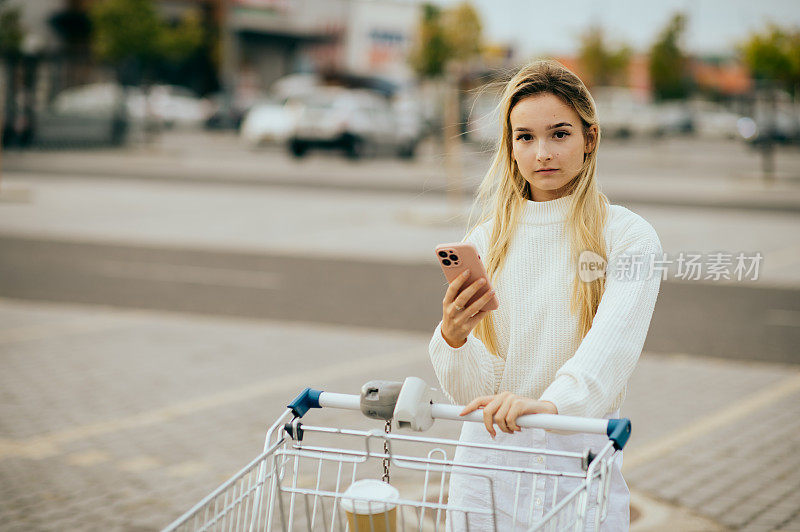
{"x": 554, "y": 26}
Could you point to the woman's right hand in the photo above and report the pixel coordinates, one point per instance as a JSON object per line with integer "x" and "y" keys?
{"x": 457, "y": 324}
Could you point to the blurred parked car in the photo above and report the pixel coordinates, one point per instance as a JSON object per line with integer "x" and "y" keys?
{"x": 623, "y": 114}
{"x": 673, "y": 118}
{"x": 782, "y": 128}
{"x": 774, "y": 118}
{"x": 270, "y": 122}
{"x": 358, "y": 122}
{"x": 408, "y": 113}
{"x": 225, "y": 114}
{"x": 713, "y": 121}
{"x": 86, "y": 115}
{"x": 169, "y": 106}
{"x": 298, "y": 85}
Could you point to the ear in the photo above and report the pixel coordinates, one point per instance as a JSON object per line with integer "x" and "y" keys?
{"x": 590, "y": 138}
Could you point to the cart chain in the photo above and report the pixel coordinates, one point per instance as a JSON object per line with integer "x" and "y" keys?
{"x": 387, "y": 429}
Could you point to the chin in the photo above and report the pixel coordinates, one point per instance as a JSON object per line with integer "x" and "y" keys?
{"x": 548, "y": 184}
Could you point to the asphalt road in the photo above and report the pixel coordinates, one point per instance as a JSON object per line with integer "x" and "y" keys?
{"x": 737, "y": 322}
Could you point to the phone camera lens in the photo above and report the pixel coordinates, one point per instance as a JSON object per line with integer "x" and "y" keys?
{"x": 446, "y": 262}
{"x": 453, "y": 257}
{"x": 443, "y": 254}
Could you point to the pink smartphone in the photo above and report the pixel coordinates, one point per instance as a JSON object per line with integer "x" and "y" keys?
{"x": 455, "y": 258}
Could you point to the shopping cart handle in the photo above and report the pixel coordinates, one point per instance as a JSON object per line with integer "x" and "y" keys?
{"x": 308, "y": 398}
{"x": 619, "y": 430}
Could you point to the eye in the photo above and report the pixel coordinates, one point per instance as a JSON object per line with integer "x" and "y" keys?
{"x": 566, "y": 134}
{"x": 524, "y": 136}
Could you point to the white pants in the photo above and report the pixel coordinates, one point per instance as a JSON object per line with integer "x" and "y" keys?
{"x": 472, "y": 489}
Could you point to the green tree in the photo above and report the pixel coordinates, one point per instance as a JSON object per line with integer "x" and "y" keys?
{"x": 130, "y": 32}
{"x": 669, "y": 66}
{"x": 602, "y": 64}
{"x": 446, "y": 42}
{"x": 182, "y": 41}
{"x": 10, "y": 30}
{"x": 462, "y": 31}
{"x": 431, "y": 51}
{"x": 774, "y": 54}
{"x": 446, "y": 36}
{"x": 11, "y": 35}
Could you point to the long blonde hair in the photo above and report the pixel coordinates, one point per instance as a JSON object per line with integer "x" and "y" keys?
{"x": 503, "y": 191}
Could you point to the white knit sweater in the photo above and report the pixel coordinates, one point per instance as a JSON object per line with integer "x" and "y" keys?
{"x": 540, "y": 353}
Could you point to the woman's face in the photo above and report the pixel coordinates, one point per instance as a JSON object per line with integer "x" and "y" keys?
{"x": 548, "y": 133}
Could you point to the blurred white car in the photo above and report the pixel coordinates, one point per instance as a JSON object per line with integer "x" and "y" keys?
{"x": 714, "y": 121}
{"x": 270, "y": 122}
{"x": 357, "y": 122}
{"x": 408, "y": 114}
{"x": 92, "y": 114}
{"x": 169, "y": 105}
{"x": 98, "y": 99}
{"x": 673, "y": 118}
{"x": 622, "y": 114}
{"x": 775, "y": 117}
{"x": 295, "y": 85}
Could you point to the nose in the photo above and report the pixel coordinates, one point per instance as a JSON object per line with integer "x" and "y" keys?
{"x": 543, "y": 153}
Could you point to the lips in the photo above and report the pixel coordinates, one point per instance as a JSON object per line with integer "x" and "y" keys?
{"x": 547, "y": 170}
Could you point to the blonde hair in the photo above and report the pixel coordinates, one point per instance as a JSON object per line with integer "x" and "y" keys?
{"x": 503, "y": 191}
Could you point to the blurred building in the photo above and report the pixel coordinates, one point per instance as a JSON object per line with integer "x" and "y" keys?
{"x": 359, "y": 37}
{"x": 57, "y": 37}
{"x": 250, "y": 44}
{"x": 725, "y": 75}
{"x": 270, "y": 38}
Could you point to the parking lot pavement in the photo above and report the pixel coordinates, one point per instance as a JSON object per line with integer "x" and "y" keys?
{"x": 340, "y": 224}
{"x": 121, "y": 419}
{"x": 718, "y": 438}
{"x": 677, "y": 171}
{"x": 116, "y": 419}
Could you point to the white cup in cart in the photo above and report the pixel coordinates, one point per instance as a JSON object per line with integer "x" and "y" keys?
{"x": 369, "y": 506}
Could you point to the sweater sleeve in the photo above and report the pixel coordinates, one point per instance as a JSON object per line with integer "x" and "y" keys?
{"x": 466, "y": 372}
{"x": 591, "y": 382}
{"x": 469, "y": 371}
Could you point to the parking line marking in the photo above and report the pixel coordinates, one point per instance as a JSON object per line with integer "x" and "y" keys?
{"x": 48, "y": 445}
{"x": 710, "y": 423}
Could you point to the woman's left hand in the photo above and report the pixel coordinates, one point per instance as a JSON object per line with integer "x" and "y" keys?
{"x": 504, "y": 408}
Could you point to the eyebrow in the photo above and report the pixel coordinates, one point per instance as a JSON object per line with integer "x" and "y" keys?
{"x": 560, "y": 124}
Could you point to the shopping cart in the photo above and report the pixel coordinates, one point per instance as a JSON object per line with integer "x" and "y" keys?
{"x": 299, "y": 481}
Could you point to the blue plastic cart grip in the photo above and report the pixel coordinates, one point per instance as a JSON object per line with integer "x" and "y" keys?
{"x": 308, "y": 398}
{"x": 619, "y": 430}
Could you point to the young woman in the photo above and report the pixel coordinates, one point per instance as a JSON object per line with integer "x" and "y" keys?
{"x": 559, "y": 343}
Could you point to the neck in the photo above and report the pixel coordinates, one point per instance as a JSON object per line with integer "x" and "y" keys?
{"x": 535, "y": 194}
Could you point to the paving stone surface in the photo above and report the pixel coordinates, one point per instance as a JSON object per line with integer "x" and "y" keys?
{"x": 122, "y": 420}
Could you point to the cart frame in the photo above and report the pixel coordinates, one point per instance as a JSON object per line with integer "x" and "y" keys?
{"x": 279, "y": 489}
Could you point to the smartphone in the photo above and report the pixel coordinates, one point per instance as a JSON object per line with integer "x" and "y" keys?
{"x": 459, "y": 256}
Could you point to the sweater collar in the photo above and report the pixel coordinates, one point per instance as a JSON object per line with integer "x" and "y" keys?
{"x": 546, "y": 212}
